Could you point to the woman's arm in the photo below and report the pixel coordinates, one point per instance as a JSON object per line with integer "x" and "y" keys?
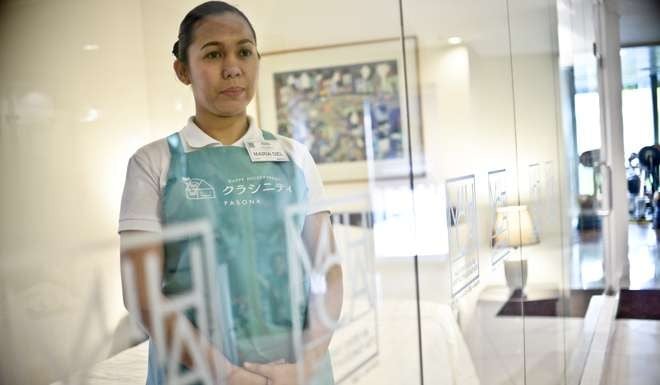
{"x": 319, "y": 242}
{"x": 137, "y": 257}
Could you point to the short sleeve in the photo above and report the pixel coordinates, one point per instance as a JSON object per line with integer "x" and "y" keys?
{"x": 303, "y": 159}
{"x": 140, "y": 202}
{"x": 317, "y": 198}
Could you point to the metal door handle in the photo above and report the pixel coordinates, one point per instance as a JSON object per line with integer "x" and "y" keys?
{"x": 607, "y": 189}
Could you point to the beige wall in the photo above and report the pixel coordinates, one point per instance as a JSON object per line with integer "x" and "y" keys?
{"x": 71, "y": 119}
{"x": 66, "y": 159}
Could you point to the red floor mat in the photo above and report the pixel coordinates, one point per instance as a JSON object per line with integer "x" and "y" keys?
{"x": 639, "y": 304}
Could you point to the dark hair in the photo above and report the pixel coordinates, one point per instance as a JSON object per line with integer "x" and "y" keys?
{"x": 187, "y": 27}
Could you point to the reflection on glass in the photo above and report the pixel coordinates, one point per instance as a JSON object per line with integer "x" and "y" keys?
{"x": 354, "y": 332}
{"x": 462, "y": 234}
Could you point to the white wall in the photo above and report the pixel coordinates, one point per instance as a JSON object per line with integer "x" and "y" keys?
{"x": 71, "y": 119}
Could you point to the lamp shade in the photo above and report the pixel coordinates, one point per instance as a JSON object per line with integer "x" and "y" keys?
{"x": 514, "y": 227}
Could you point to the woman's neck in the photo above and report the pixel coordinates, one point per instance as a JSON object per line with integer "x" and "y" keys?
{"x": 226, "y": 130}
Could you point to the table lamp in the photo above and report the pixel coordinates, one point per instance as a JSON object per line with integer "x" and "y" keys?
{"x": 514, "y": 228}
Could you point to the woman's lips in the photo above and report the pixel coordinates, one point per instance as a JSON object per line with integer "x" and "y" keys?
{"x": 233, "y": 91}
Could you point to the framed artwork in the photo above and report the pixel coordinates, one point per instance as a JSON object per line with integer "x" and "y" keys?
{"x": 462, "y": 234}
{"x": 349, "y": 105}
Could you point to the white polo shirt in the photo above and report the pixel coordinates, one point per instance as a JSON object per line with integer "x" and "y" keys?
{"x": 148, "y": 168}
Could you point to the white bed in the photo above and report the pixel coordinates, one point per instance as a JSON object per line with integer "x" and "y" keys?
{"x": 446, "y": 357}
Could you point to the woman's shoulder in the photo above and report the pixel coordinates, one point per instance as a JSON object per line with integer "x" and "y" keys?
{"x": 152, "y": 151}
{"x": 301, "y": 156}
{"x": 295, "y": 149}
{"x": 153, "y": 159}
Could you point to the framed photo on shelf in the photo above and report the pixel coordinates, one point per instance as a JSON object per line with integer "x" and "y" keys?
{"x": 349, "y": 105}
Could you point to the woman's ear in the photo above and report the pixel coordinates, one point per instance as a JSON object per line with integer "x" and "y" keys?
{"x": 181, "y": 71}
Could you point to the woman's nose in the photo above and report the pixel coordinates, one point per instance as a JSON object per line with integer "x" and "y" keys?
{"x": 231, "y": 72}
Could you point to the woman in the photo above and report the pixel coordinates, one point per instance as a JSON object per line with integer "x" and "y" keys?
{"x": 215, "y": 169}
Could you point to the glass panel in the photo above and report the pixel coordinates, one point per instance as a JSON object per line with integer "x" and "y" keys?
{"x": 639, "y": 128}
{"x": 581, "y": 194}
{"x": 464, "y": 242}
{"x": 544, "y": 290}
{"x": 581, "y": 117}
{"x": 341, "y": 92}
{"x": 77, "y": 100}
{"x": 67, "y": 129}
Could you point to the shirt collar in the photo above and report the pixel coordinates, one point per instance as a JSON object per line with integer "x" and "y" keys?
{"x": 195, "y": 138}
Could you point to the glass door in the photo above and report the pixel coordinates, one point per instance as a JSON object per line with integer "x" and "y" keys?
{"x": 468, "y": 251}
{"x": 332, "y": 76}
{"x": 562, "y": 183}
{"x": 640, "y": 121}
{"x": 458, "y": 150}
{"x": 511, "y": 113}
{"x": 585, "y": 147}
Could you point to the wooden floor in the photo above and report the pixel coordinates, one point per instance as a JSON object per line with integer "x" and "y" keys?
{"x": 635, "y": 350}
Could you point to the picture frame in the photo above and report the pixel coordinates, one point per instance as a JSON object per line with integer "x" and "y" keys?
{"x": 462, "y": 234}
{"x": 326, "y": 96}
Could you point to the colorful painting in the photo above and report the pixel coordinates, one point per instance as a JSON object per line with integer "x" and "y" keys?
{"x": 352, "y": 105}
{"x": 325, "y": 109}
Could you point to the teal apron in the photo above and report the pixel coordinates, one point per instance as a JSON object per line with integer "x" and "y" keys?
{"x": 245, "y": 203}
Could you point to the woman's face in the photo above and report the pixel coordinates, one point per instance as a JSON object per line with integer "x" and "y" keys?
{"x": 222, "y": 65}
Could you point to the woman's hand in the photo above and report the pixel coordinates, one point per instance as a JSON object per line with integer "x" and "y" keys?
{"x": 240, "y": 376}
{"x": 233, "y": 375}
{"x": 278, "y": 373}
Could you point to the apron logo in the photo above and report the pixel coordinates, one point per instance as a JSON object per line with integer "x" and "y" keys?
{"x": 197, "y": 188}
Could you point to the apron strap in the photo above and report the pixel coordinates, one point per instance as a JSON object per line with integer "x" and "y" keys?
{"x": 268, "y": 135}
{"x": 178, "y": 157}
{"x": 178, "y": 154}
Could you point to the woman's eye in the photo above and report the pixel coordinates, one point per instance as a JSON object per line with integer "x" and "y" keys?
{"x": 245, "y": 52}
{"x": 212, "y": 55}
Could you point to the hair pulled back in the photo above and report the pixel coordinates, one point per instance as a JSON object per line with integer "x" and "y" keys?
{"x": 188, "y": 24}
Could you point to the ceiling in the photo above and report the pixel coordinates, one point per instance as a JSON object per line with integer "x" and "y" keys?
{"x": 482, "y": 24}
{"x": 638, "y": 63}
{"x": 640, "y": 34}
{"x": 640, "y": 22}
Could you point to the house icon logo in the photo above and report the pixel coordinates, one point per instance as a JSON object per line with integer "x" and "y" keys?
{"x": 197, "y": 188}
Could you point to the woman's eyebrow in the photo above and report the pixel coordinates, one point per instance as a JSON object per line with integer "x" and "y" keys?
{"x": 243, "y": 41}
{"x": 210, "y": 43}
{"x": 216, "y": 43}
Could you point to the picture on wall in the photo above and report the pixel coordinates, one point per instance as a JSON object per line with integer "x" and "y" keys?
{"x": 462, "y": 234}
{"x": 325, "y": 109}
{"x": 347, "y": 104}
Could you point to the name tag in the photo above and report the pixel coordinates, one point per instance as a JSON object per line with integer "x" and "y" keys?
{"x": 266, "y": 151}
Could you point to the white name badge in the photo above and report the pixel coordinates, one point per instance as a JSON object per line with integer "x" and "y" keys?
{"x": 266, "y": 151}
